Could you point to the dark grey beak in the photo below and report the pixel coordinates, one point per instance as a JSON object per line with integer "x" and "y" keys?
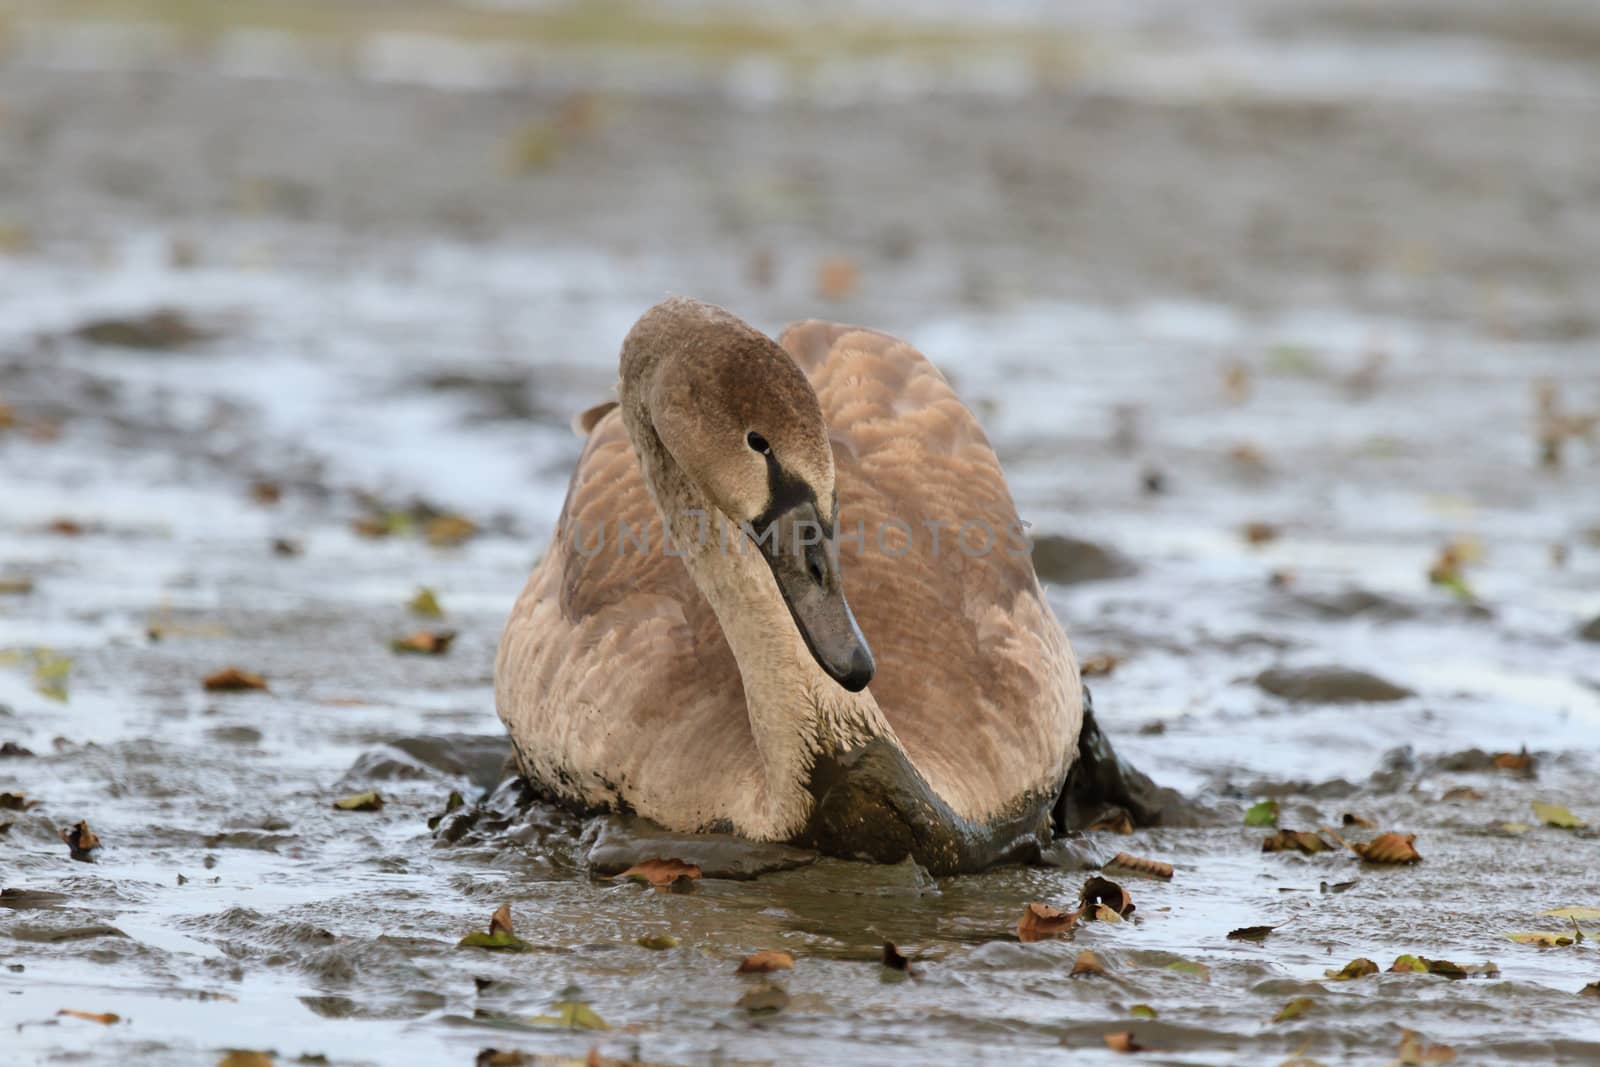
{"x": 804, "y": 557}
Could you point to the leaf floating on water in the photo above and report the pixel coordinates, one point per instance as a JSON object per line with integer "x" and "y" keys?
{"x": 663, "y": 874}
{"x": 81, "y": 841}
{"x": 104, "y": 1018}
{"x": 1122, "y": 1041}
{"x": 1360, "y": 967}
{"x": 1337, "y": 887}
{"x": 500, "y": 921}
{"x": 1140, "y": 865}
{"x": 1557, "y": 816}
{"x": 1513, "y": 761}
{"x": 1447, "y": 570}
{"x": 657, "y": 942}
{"x": 1088, "y": 963}
{"x": 17, "y": 802}
{"x": 501, "y": 1057}
{"x": 1305, "y": 841}
{"x": 425, "y": 603}
{"x": 424, "y": 643}
{"x": 1542, "y": 938}
{"x": 766, "y": 962}
{"x": 508, "y": 942}
{"x": 764, "y": 1001}
{"x": 1461, "y": 793}
{"x": 1190, "y": 967}
{"x": 1409, "y": 964}
{"x": 1350, "y": 818}
{"x": 1575, "y": 914}
{"x": 233, "y": 680}
{"x": 1041, "y": 921}
{"x": 1264, "y": 813}
{"x": 1294, "y": 1009}
{"x": 1389, "y": 848}
{"x": 1142, "y": 1011}
{"x": 368, "y": 801}
{"x": 1105, "y": 892}
{"x": 1413, "y": 1052}
{"x": 240, "y": 1057}
{"x": 448, "y": 531}
{"x": 1250, "y": 933}
{"x": 573, "y": 1015}
{"x": 1590, "y": 990}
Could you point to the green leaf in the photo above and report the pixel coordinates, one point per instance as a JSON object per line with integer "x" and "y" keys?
{"x": 1557, "y": 816}
{"x": 1190, "y": 967}
{"x": 1263, "y": 814}
{"x": 368, "y": 801}
{"x": 1356, "y": 968}
{"x": 500, "y": 939}
{"x": 657, "y": 942}
{"x": 1142, "y": 1011}
{"x": 453, "y": 802}
{"x": 425, "y": 603}
{"x": 573, "y": 1015}
{"x": 1409, "y": 964}
{"x": 1294, "y": 1009}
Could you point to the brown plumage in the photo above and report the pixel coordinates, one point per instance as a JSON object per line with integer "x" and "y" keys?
{"x": 681, "y": 687}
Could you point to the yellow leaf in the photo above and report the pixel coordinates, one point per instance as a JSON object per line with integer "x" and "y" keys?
{"x": 1557, "y": 816}
{"x": 1542, "y": 938}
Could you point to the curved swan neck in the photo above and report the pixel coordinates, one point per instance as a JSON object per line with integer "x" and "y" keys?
{"x": 796, "y": 711}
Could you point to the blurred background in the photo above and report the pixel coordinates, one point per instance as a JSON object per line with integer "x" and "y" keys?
{"x": 1284, "y": 319}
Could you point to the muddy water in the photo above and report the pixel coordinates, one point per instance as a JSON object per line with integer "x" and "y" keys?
{"x": 392, "y": 314}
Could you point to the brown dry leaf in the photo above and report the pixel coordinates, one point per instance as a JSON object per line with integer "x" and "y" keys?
{"x": 447, "y": 531}
{"x": 1098, "y": 666}
{"x": 241, "y": 1057}
{"x": 80, "y": 841}
{"x": 1248, "y": 456}
{"x": 1513, "y": 761}
{"x": 266, "y": 493}
{"x": 1259, "y": 533}
{"x": 1236, "y": 382}
{"x": 104, "y": 1018}
{"x": 1447, "y": 569}
{"x": 17, "y": 802}
{"x": 233, "y": 680}
{"x": 1414, "y": 1052}
{"x": 837, "y": 278}
{"x": 1088, "y": 963}
{"x": 424, "y": 642}
{"x": 66, "y": 527}
{"x": 1104, "y": 891}
{"x": 1350, "y": 818}
{"x": 1122, "y": 1041}
{"x": 663, "y": 874}
{"x": 1153, "y": 868}
{"x": 500, "y": 921}
{"x": 1461, "y": 792}
{"x": 501, "y": 1057}
{"x": 1116, "y": 822}
{"x": 1590, "y": 990}
{"x": 1040, "y": 921}
{"x": 1389, "y": 848}
{"x": 766, "y": 962}
{"x": 1305, "y": 841}
{"x": 1250, "y": 933}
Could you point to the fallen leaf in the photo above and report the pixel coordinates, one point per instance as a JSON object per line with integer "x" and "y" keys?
{"x": 1103, "y": 891}
{"x": 1122, "y": 1041}
{"x": 1388, "y": 848}
{"x": 1140, "y": 865}
{"x": 239, "y": 1057}
{"x": 1294, "y": 1009}
{"x": 1573, "y": 913}
{"x": 452, "y": 803}
{"x": 766, "y": 962}
{"x": 657, "y": 942}
{"x": 1040, "y": 921}
{"x": 424, "y": 642}
{"x": 1513, "y": 761}
{"x": 425, "y": 603}
{"x": 1337, "y": 887}
{"x": 1514, "y": 829}
{"x": 368, "y": 801}
{"x": 104, "y": 1018}
{"x": 1250, "y": 933}
{"x": 573, "y": 1015}
{"x": 1590, "y": 990}
{"x": 17, "y": 802}
{"x": 1305, "y": 841}
{"x": 233, "y": 680}
{"x": 81, "y": 841}
{"x": 500, "y": 921}
{"x": 1409, "y": 964}
{"x": 1259, "y": 533}
{"x": 1142, "y": 1011}
{"x": 1098, "y": 666}
{"x": 1447, "y": 569}
{"x": 1088, "y": 963}
{"x": 1189, "y": 967}
{"x": 1360, "y": 967}
{"x": 663, "y": 874}
{"x": 1351, "y": 819}
{"x": 1414, "y": 1052}
{"x": 1542, "y": 938}
{"x": 16, "y": 586}
{"x": 508, "y": 942}
{"x": 1462, "y": 792}
{"x": 266, "y": 493}
{"x": 1264, "y": 813}
{"x": 448, "y": 531}
{"x": 163, "y": 328}
{"x": 837, "y": 278}
{"x": 501, "y": 1057}
{"x": 767, "y": 999}
{"x": 66, "y": 527}
{"x": 1557, "y": 816}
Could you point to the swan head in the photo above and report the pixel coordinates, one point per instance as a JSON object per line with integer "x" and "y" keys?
{"x": 741, "y": 421}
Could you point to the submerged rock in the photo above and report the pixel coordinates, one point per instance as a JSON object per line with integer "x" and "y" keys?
{"x": 621, "y": 841}
{"x": 1590, "y": 630}
{"x": 161, "y": 329}
{"x": 1068, "y": 560}
{"x": 1328, "y": 685}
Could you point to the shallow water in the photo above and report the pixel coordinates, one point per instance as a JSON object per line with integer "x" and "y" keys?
{"x": 423, "y": 331}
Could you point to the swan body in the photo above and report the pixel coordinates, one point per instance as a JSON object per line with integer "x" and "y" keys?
{"x": 720, "y": 680}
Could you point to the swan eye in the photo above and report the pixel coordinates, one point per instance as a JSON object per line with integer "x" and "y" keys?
{"x": 757, "y": 442}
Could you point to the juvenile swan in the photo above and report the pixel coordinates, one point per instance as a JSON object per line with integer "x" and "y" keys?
{"x": 723, "y": 682}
